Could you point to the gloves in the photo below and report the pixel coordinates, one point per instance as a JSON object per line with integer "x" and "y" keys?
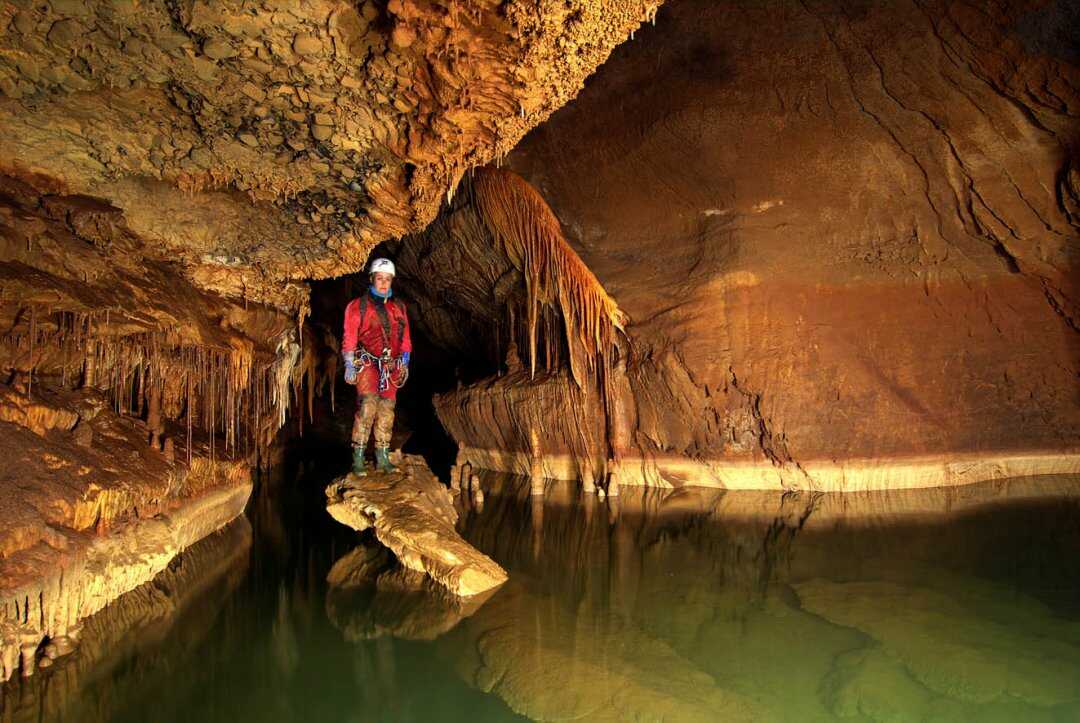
{"x": 405, "y": 358}
{"x": 350, "y": 367}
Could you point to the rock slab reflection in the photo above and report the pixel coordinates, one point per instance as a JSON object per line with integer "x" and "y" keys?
{"x": 372, "y": 596}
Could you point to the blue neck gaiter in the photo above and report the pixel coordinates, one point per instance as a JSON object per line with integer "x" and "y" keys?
{"x": 377, "y": 295}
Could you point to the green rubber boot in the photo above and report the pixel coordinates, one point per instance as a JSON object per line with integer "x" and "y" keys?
{"x": 358, "y": 467}
{"x": 382, "y": 460}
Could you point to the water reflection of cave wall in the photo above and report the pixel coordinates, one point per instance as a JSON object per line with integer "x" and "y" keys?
{"x": 98, "y": 680}
{"x": 754, "y": 543}
{"x": 838, "y": 601}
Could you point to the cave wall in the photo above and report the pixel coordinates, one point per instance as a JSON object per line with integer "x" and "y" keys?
{"x": 171, "y": 176}
{"x": 846, "y": 235}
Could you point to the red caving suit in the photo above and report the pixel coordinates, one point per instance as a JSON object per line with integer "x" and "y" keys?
{"x": 372, "y": 334}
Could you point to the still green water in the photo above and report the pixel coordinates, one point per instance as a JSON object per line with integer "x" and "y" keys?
{"x": 935, "y": 605}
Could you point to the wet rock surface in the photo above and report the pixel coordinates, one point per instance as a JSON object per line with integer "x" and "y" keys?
{"x": 132, "y": 408}
{"x": 189, "y": 593}
{"x": 413, "y": 515}
{"x": 57, "y": 575}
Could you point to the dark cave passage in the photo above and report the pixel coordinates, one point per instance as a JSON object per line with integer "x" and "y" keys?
{"x": 434, "y": 368}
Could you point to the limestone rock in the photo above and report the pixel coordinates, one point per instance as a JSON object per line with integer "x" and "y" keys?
{"x": 802, "y": 300}
{"x": 101, "y": 570}
{"x": 65, "y": 33}
{"x": 19, "y": 406}
{"x": 413, "y": 515}
{"x": 305, "y": 44}
{"x": 194, "y": 75}
{"x": 95, "y": 334}
{"x": 219, "y": 49}
{"x": 193, "y": 590}
{"x": 950, "y": 647}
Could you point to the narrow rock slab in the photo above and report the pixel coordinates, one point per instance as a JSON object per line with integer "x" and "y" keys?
{"x": 414, "y": 515}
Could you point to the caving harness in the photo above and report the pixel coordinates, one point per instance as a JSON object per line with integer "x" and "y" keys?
{"x": 385, "y": 362}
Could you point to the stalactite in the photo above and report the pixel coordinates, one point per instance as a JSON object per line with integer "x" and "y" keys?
{"x": 530, "y": 235}
{"x": 33, "y": 333}
{"x": 219, "y": 382}
{"x": 565, "y": 309}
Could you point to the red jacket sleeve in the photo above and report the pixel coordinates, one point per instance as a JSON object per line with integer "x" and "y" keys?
{"x": 406, "y": 338}
{"x": 352, "y": 326}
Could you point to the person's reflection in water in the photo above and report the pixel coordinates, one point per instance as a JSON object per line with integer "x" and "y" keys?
{"x": 286, "y": 650}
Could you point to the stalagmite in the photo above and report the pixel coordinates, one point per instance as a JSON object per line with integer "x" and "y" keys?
{"x": 588, "y": 483}
{"x": 612, "y": 485}
{"x": 536, "y": 463}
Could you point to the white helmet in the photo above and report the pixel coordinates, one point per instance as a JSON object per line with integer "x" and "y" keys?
{"x": 385, "y": 266}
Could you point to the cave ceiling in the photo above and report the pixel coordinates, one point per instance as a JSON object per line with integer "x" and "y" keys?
{"x": 261, "y": 142}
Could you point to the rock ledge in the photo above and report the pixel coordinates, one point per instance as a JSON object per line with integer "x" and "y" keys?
{"x": 414, "y": 515}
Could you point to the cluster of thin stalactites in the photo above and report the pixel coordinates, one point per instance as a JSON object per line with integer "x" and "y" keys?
{"x": 561, "y": 291}
{"x": 232, "y": 394}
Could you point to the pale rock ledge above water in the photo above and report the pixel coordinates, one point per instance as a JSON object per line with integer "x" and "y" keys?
{"x": 413, "y": 515}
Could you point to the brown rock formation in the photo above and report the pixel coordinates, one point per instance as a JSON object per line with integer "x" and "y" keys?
{"x": 130, "y": 412}
{"x": 277, "y": 141}
{"x": 413, "y": 515}
{"x": 846, "y": 240}
{"x": 170, "y": 174}
{"x": 81, "y": 526}
{"x": 189, "y": 594}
